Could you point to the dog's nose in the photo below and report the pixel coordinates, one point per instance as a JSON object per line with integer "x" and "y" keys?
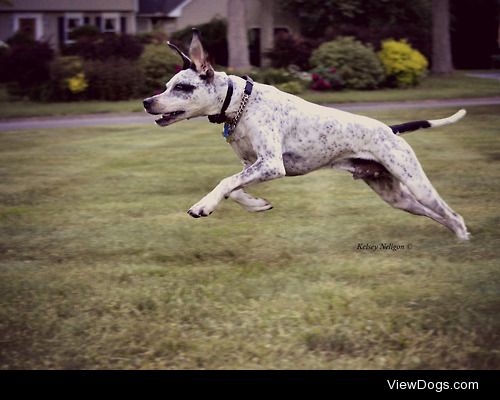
{"x": 147, "y": 102}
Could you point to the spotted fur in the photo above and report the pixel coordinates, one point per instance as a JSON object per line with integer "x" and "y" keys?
{"x": 283, "y": 135}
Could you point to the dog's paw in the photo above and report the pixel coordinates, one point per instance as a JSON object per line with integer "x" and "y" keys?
{"x": 198, "y": 213}
{"x": 201, "y": 209}
{"x": 464, "y": 236}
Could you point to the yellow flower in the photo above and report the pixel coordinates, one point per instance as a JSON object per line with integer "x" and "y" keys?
{"x": 77, "y": 83}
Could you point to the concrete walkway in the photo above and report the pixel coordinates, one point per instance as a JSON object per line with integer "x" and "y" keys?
{"x": 486, "y": 75}
{"x": 142, "y": 118}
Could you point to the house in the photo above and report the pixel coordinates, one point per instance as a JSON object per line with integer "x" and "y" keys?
{"x": 264, "y": 19}
{"x": 53, "y": 20}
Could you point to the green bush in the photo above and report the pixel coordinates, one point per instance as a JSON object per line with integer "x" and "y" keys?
{"x": 158, "y": 64}
{"x": 272, "y": 76}
{"x": 85, "y": 31}
{"x": 113, "y": 79}
{"x": 289, "y": 81}
{"x": 157, "y": 36}
{"x": 93, "y": 45}
{"x": 404, "y": 66}
{"x": 357, "y": 65}
{"x": 293, "y": 87}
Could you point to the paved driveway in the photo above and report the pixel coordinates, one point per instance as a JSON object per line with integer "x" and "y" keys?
{"x": 142, "y": 118}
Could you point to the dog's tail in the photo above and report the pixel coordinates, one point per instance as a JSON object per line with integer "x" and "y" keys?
{"x": 432, "y": 123}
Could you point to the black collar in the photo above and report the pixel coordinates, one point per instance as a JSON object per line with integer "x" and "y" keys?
{"x": 221, "y": 117}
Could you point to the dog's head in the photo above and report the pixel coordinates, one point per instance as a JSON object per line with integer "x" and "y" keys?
{"x": 192, "y": 92}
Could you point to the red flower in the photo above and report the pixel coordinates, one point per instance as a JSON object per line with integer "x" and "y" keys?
{"x": 321, "y": 84}
{"x": 315, "y": 77}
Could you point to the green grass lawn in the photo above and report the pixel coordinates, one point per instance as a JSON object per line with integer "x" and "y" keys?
{"x": 457, "y": 85}
{"x": 101, "y": 267}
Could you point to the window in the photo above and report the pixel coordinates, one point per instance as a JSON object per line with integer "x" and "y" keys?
{"x": 110, "y": 23}
{"x": 28, "y": 27}
{"x": 281, "y": 32}
{"x": 30, "y": 24}
{"x": 71, "y": 22}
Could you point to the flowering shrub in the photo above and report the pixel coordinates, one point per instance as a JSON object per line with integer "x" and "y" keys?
{"x": 403, "y": 65}
{"x": 67, "y": 80}
{"x": 77, "y": 84}
{"x": 326, "y": 79}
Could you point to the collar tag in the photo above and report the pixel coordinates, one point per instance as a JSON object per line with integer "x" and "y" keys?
{"x": 227, "y": 132}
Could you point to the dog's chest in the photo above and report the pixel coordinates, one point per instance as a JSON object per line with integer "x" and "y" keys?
{"x": 243, "y": 148}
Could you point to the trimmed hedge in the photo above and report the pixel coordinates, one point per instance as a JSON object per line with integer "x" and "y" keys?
{"x": 114, "y": 79}
{"x": 93, "y": 45}
{"x": 357, "y": 65}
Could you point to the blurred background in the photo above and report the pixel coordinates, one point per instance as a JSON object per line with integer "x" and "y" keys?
{"x": 100, "y": 265}
{"x": 67, "y": 50}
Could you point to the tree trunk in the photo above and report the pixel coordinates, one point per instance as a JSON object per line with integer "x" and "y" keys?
{"x": 237, "y": 35}
{"x": 441, "y": 44}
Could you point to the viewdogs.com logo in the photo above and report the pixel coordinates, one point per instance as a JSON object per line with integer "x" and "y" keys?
{"x": 422, "y": 384}
{"x": 383, "y": 246}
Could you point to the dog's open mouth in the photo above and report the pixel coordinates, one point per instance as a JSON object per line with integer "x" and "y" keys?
{"x": 168, "y": 118}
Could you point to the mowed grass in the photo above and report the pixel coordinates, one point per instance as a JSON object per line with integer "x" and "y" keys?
{"x": 101, "y": 267}
{"x": 456, "y": 85}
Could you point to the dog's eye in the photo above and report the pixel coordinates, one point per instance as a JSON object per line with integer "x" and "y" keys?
{"x": 183, "y": 87}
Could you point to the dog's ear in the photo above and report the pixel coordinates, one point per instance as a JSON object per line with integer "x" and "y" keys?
{"x": 185, "y": 59}
{"x": 199, "y": 57}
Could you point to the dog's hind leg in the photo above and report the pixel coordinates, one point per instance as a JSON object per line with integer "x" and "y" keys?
{"x": 397, "y": 195}
{"x": 249, "y": 202}
{"x": 402, "y": 163}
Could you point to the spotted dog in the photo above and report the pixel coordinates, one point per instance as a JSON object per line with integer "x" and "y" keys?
{"x": 276, "y": 134}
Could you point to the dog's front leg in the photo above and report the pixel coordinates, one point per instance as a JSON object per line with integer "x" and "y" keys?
{"x": 262, "y": 170}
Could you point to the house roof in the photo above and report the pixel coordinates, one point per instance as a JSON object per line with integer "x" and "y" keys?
{"x": 164, "y": 7}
